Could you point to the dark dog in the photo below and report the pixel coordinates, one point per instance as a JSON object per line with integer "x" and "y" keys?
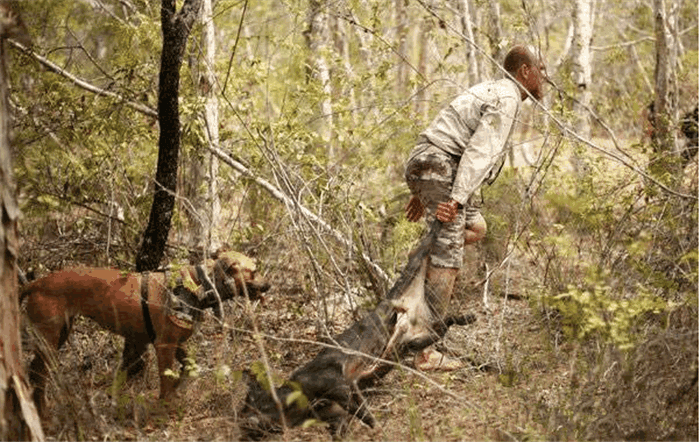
{"x": 159, "y": 308}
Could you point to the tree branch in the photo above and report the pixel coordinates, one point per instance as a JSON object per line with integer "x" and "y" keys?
{"x": 53, "y": 67}
{"x": 278, "y": 194}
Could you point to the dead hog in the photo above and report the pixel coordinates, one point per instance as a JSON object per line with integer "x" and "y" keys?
{"x": 332, "y": 383}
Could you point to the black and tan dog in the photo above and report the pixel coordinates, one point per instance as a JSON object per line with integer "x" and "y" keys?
{"x": 161, "y": 308}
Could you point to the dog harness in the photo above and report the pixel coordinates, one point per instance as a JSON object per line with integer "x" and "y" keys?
{"x": 183, "y": 306}
{"x": 184, "y": 302}
{"x": 144, "y": 307}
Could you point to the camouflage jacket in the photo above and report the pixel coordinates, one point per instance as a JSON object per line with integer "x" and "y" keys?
{"x": 475, "y": 127}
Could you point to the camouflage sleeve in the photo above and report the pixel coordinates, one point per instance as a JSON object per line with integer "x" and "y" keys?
{"x": 485, "y": 146}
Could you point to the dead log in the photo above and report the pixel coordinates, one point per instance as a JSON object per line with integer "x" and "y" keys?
{"x": 332, "y": 383}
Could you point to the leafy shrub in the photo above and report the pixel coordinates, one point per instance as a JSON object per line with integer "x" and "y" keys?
{"x": 598, "y": 312}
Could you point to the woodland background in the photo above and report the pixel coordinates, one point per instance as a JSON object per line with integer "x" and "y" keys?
{"x": 296, "y": 120}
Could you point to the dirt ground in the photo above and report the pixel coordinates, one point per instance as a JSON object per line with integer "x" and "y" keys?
{"x": 518, "y": 382}
{"x": 509, "y": 369}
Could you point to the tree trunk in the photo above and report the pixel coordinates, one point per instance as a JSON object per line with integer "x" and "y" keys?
{"x": 211, "y": 116}
{"x": 401, "y": 18}
{"x": 341, "y": 41}
{"x": 582, "y": 20}
{"x": 423, "y": 74}
{"x": 176, "y": 28}
{"x": 472, "y": 62}
{"x": 664, "y": 115}
{"x": 197, "y": 182}
{"x": 495, "y": 35}
{"x": 317, "y": 40}
{"x": 583, "y": 35}
{"x": 19, "y": 419}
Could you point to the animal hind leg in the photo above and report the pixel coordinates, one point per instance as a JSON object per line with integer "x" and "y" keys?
{"x": 50, "y": 339}
{"x": 351, "y": 399}
{"x": 37, "y": 377}
{"x": 132, "y": 357}
{"x": 358, "y": 406}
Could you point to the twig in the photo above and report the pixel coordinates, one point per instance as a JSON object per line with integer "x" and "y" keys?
{"x": 486, "y": 288}
{"x": 53, "y": 67}
{"x": 258, "y": 338}
{"x": 278, "y": 194}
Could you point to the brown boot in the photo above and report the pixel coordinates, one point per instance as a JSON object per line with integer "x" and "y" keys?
{"x": 439, "y": 283}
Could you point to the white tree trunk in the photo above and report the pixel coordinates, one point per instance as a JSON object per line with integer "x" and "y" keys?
{"x": 211, "y": 117}
{"x": 317, "y": 39}
{"x": 582, "y": 71}
{"x": 423, "y": 67}
{"x": 665, "y": 114}
{"x": 401, "y": 18}
{"x": 342, "y": 47}
{"x": 495, "y": 35}
{"x": 468, "y": 31}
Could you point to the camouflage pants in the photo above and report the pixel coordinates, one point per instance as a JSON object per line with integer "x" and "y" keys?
{"x": 429, "y": 174}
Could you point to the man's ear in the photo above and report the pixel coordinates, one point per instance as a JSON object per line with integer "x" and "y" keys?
{"x": 525, "y": 74}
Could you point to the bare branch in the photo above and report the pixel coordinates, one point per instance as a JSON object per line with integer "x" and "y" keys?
{"x": 53, "y": 67}
{"x": 278, "y": 194}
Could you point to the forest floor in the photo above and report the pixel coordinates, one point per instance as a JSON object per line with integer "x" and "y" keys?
{"x": 513, "y": 379}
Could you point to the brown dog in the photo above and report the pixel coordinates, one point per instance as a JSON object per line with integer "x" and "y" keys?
{"x": 159, "y": 308}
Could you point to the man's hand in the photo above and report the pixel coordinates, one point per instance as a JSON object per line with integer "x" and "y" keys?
{"x": 447, "y": 211}
{"x": 414, "y": 209}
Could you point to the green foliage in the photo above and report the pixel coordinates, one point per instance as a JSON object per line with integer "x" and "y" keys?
{"x": 599, "y": 313}
{"x": 84, "y": 163}
{"x": 297, "y": 397}
{"x": 258, "y": 369}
